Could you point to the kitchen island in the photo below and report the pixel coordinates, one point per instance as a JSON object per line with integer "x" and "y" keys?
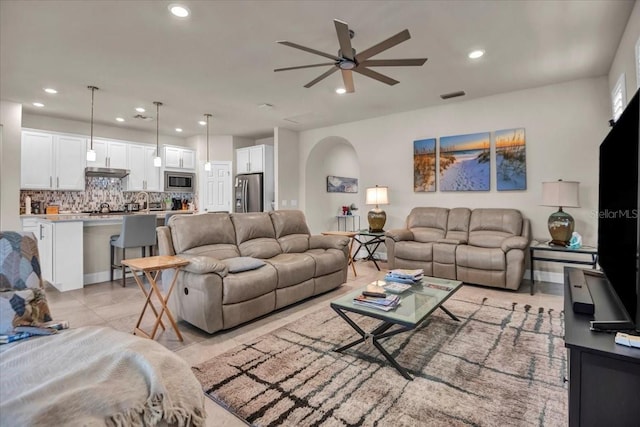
{"x": 75, "y": 247}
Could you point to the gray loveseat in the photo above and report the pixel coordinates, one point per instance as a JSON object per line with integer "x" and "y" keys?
{"x": 246, "y": 265}
{"x": 481, "y": 246}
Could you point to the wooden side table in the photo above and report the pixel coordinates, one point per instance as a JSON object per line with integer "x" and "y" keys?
{"x": 351, "y": 235}
{"x": 151, "y": 268}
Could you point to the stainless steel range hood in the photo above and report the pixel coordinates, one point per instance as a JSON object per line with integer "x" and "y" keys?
{"x": 106, "y": 172}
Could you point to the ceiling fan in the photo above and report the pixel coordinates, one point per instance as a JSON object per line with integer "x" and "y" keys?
{"x": 348, "y": 60}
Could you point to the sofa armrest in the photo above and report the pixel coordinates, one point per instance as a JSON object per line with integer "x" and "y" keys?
{"x": 202, "y": 264}
{"x": 165, "y": 242}
{"x": 400, "y": 234}
{"x": 328, "y": 242}
{"x": 452, "y": 241}
{"x": 515, "y": 242}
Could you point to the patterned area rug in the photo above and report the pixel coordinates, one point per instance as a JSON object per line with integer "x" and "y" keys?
{"x": 502, "y": 364}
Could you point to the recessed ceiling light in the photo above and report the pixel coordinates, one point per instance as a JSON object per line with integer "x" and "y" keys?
{"x": 119, "y": 119}
{"x": 202, "y": 123}
{"x": 179, "y": 10}
{"x": 341, "y": 90}
{"x": 140, "y": 110}
{"x": 178, "y": 129}
{"x": 50, "y": 90}
{"x": 476, "y": 54}
{"x": 38, "y": 104}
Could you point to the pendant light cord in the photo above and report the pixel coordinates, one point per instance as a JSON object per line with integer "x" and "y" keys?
{"x": 93, "y": 89}
{"x": 158, "y": 104}
{"x": 207, "y": 116}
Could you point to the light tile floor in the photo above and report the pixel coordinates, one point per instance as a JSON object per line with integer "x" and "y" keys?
{"x": 112, "y": 305}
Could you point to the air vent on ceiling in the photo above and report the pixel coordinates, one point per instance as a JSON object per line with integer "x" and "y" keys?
{"x": 453, "y": 94}
{"x": 143, "y": 117}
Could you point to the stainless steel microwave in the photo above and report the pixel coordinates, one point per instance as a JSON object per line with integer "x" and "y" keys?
{"x": 179, "y": 182}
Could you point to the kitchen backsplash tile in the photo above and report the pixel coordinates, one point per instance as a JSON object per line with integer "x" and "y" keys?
{"x": 98, "y": 190}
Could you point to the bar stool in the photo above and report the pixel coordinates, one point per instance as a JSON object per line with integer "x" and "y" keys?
{"x": 137, "y": 231}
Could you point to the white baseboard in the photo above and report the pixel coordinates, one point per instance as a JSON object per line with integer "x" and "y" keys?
{"x": 101, "y": 276}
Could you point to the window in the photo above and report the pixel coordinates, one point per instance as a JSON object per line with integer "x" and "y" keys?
{"x": 618, "y": 97}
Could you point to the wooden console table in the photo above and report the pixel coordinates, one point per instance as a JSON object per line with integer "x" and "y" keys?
{"x": 151, "y": 268}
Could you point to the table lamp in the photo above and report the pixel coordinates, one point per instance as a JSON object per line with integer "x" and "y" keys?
{"x": 562, "y": 194}
{"x": 377, "y": 217}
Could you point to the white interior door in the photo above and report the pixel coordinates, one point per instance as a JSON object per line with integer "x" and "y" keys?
{"x": 216, "y": 188}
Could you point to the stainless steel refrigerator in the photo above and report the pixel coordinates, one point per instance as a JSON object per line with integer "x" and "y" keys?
{"x": 249, "y": 193}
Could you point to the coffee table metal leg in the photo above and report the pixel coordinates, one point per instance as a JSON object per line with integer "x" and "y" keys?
{"x": 450, "y": 314}
{"x": 374, "y": 337}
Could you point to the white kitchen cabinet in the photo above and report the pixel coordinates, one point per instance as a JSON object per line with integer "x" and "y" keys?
{"x": 109, "y": 154}
{"x": 179, "y": 158}
{"x": 143, "y": 175}
{"x": 60, "y": 246}
{"x": 253, "y": 159}
{"x": 52, "y": 162}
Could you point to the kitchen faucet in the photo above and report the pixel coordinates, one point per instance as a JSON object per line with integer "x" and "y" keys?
{"x": 144, "y": 193}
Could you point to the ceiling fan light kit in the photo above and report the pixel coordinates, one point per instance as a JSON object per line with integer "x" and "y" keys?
{"x": 348, "y": 61}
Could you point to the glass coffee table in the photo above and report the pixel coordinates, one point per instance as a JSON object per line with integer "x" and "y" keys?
{"x": 416, "y": 304}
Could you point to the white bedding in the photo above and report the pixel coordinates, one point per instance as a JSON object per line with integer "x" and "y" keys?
{"x": 95, "y": 376}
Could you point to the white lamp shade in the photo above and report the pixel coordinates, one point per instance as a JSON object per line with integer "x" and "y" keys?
{"x": 561, "y": 194}
{"x": 377, "y": 196}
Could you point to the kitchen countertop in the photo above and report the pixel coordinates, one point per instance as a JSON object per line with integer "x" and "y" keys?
{"x": 87, "y": 218}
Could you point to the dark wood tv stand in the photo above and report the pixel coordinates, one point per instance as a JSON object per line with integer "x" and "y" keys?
{"x": 604, "y": 377}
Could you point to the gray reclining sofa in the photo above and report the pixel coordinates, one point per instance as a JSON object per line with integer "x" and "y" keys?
{"x": 246, "y": 265}
{"x": 480, "y": 246}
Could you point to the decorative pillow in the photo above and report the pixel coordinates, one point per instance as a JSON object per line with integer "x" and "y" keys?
{"x": 242, "y": 263}
{"x": 27, "y": 307}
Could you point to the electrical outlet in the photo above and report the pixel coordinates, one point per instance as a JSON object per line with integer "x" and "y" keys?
{"x": 294, "y": 203}
{"x": 284, "y": 203}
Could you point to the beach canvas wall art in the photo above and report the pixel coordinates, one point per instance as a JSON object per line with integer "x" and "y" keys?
{"x": 465, "y": 162}
{"x": 511, "y": 159}
{"x": 424, "y": 165}
{"x": 340, "y": 184}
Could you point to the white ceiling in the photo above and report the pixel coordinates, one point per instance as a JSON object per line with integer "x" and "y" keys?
{"x": 220, "y": 60}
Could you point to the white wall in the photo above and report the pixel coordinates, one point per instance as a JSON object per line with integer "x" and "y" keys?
{"x": 11, "y": 126}
{"x": 34, "y": 121}
{"x": 285, "y": 159}
{"x": 624, "y": 60}
{"x": 564, "y": 125}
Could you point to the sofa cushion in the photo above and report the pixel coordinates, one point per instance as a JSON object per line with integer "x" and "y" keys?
{"x": 286, "y": 222}
{"x": 458, "y": 224}
{"x": 293, "y": 268}
{"x": 480, "y": 258}
{"x": 242, "y": 263}
{"x": 220, "y": 251}
{"x": 415, "y": 251}
{"x": 244, "y": 286}
{"x": 327, "y": 260}
{"x": 428, "y": 217}
{"x": 191, "y": 231}
{"x": 489, "y": 227}
{"x": 255, "y": 235}
{"x": 295, "y": 243}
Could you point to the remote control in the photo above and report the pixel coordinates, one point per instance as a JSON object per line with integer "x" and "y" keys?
{"x": 628, "y": 340}
{"x": 374, "y": 294}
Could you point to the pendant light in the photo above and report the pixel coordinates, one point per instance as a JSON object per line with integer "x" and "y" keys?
{"x": 207, "y": 166}
{"x": 91, "y": 155}
{"x": 157, "y": 161}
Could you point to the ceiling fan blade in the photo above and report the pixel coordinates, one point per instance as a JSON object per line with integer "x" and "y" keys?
{"x": 393, "y": 62}
{"x": 308, "y": 49}
{"x": 383, "y": 45}
{"x": 375, "y": 75}
{"x": 321, "y": 77}
{"x": 342, "y": 29}
{"x": 305, "y": 66}
{"x": 347, "y": 78}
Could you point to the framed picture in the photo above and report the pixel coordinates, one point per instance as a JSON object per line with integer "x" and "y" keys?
{"x": 465, "y": 162}
{"x": 424, "y": 165}
{"x": 511, "y": 160}
{"x": 340, "y": 184}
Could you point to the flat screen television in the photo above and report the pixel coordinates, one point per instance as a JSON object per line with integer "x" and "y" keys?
{"x": 618, "y": 209}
